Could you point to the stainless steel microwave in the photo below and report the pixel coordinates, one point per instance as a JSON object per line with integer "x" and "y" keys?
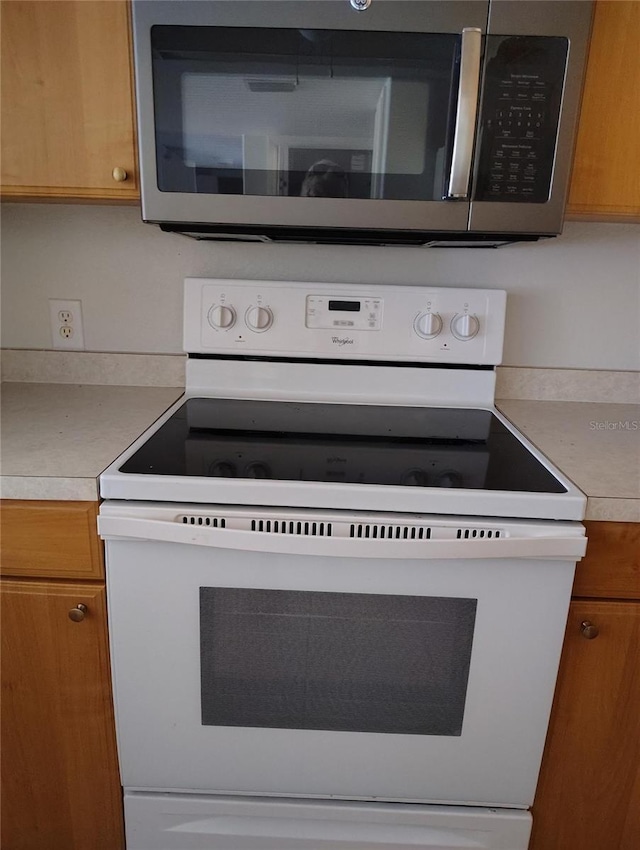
{"x": 369, "y": 121}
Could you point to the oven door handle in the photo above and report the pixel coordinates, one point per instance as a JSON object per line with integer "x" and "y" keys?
{"x": 570, "y": 547}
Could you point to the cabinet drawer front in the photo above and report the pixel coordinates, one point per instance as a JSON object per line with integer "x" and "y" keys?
{"x": 51, "y": 539}
{"x": 611, "y": 567}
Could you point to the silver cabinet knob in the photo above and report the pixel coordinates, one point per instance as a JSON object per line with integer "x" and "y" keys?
{"x": 77, "y": 614}
{"x": 589, "y": 631}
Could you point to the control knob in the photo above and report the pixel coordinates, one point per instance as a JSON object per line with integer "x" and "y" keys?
{"x": 414, "y": 478}
{"x": 450, "y": 479}
{"x": 258, "y": 319}
{"x": 465, "y": 326}
{"x": 221, "y": 317}
{"x": 258, "y": 470}
{"x": 428, "y": 325}
{"x": 222, "y": 469}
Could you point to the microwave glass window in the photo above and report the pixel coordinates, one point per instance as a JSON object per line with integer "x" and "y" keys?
{"x": 312, "y": 113}
{"x": 349, "y": 662}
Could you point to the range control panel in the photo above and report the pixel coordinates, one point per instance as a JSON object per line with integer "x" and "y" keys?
{"x": 344, "y": 321}
{"x": 519, "y": 117}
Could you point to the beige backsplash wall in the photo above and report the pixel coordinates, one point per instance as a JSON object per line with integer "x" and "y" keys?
{"x": 574, "y": 301}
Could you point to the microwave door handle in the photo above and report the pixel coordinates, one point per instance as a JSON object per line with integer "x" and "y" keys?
{"x": 466, "y": 112}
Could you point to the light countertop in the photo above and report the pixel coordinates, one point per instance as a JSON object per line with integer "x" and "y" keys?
{"x": 596, "y": 445}
{"x": 58, "y": 438}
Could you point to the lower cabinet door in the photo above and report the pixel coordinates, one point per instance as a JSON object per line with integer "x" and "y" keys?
{"x": 60, "y": 783}
{"x": 589, "y": 789}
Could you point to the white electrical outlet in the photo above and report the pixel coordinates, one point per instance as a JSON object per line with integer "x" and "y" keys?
{"x": 66, "y": 324}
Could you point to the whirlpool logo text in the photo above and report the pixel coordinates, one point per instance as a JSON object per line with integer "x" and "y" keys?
{"x": 341, "y": 340}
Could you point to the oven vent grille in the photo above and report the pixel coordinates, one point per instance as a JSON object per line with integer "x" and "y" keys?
{"x": 305, "y": 529}
{"x": 475, "y": 533}
{"x": 390, "y": 532}
{"x": 322, "y": 527}
{"x": 211, "y": 521}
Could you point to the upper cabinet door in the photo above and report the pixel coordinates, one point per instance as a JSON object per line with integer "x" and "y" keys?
{"x": 606, "y": 175}
{"x": 68, "y": 128}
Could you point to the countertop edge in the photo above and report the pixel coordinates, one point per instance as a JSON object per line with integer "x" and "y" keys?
{"x": 37, "y": 488}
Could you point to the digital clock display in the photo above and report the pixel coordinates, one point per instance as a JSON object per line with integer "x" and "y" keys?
{"x": 350, "y": 306}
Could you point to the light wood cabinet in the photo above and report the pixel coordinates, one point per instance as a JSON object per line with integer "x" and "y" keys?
{"x": 67, "y": 100}
{"x": 50, "y": 539}
{"x": 60, "y": 781}
{"x": 605, "y": 183}
{"x": 589, "y": 789}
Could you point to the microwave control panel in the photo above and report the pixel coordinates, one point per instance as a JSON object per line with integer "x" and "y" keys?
{"x": 520, "y": 112}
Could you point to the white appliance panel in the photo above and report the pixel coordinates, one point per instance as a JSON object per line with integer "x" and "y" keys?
{"x": 199, "y": 822}
{"x": 355, "y": 322}
{"x": 164, "y": 746}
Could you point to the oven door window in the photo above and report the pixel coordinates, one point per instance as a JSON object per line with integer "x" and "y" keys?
{"x": 313, "y": 113}
{"x": 346, "y": 662}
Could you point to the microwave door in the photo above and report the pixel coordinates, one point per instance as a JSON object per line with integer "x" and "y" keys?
{"x": 342, "y": 125}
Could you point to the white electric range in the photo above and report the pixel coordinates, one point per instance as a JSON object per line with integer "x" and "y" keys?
{"x": 338, "y": 579}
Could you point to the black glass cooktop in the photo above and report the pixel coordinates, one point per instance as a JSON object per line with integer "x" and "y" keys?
{"x": 360, "y": 444}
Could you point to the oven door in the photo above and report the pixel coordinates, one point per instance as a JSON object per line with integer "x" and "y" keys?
{"x": 413, "y": 659}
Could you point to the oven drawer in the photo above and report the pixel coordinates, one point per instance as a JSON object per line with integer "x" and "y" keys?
{"x": 208, "y": 822}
